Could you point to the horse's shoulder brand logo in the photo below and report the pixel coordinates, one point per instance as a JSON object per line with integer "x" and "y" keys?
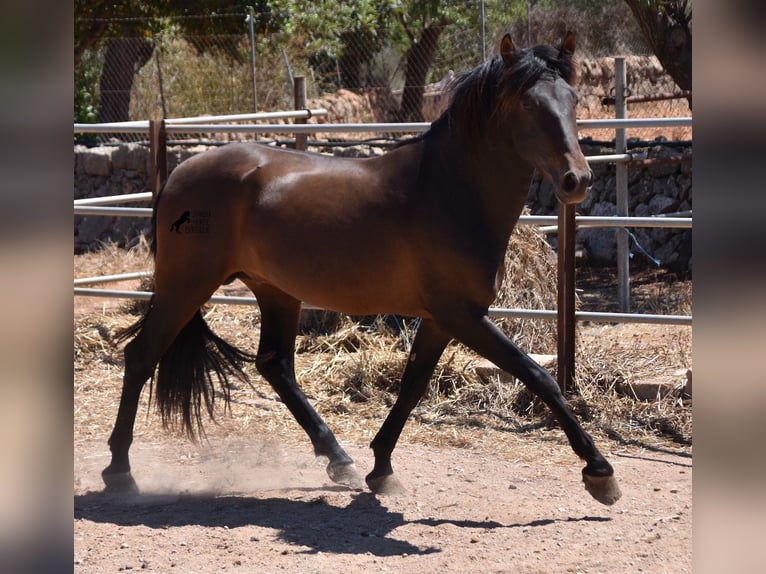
{"x": 191, "y": 221}
{"x": 185, "y": 216}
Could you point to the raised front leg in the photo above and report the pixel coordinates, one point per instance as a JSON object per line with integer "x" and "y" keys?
{"x": 275, "y": 361}
{"x": 428, "y": 346}
{"x": 483, "y": 336}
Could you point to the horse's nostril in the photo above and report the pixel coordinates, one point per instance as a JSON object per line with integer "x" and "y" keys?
{"x": 570, "y": 182}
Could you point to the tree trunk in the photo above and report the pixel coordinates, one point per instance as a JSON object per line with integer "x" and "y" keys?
{"x": 355, "y": 56}
{"x": 419, "y": 59}
{"x": 89, "y": 40}
{"x": 124, "y": 57}
{"x": 668, "y": 34}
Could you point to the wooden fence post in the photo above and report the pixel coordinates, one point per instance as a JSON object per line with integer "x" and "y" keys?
{"x": 299, "y": 93}
{"x": 566, "y": 296}
{"x": 158, "y": 150}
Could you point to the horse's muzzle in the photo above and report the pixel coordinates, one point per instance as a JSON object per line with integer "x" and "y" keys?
{"x": 574, "y": 185}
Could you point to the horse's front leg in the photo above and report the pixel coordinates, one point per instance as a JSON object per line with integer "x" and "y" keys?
{"x": 426, "y": 349}
{"x": 478, "y": 332}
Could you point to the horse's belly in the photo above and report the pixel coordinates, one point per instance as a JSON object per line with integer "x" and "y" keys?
{"x": 369, "y": 300}
{"x": 354, "y": 285}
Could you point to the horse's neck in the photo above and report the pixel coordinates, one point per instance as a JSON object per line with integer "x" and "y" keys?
{"x": 493, "y": 183}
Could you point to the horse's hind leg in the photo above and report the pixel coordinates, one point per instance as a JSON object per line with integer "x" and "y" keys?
{"x": 483, "y": 336}
{"x": 161, "y": 324}
{"x": 426, "y": 349}
{"x": 139, "y": 366}
{"x": 276, "y": 362}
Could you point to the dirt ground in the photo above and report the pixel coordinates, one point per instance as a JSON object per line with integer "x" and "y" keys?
{"x": 262, "y": 506}
{"x": 252, "y": 498}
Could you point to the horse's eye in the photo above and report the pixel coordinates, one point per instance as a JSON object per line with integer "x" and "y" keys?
{"x": 527, "y": 104}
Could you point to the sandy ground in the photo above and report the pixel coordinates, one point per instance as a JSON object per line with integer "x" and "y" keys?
{"x": 256, "y": 504}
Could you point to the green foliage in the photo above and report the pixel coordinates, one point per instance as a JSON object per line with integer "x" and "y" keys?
{"x": 96, "y": 19}
{"x": 86, "y": 94}
{"x": 324, "y": 23}
{"x": 202, "y": 46}
{"x": 583, "y": 5}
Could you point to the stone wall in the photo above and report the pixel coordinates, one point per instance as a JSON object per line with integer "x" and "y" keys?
{"x": 663, "y": 188}
{"x": 114, "y": 170}
{"x": 657, "y": 189}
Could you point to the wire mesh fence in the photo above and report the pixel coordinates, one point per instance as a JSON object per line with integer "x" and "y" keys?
{"x": 397, "y": 73}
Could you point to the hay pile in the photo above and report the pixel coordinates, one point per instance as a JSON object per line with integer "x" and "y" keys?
{"x": 529, "y": 282}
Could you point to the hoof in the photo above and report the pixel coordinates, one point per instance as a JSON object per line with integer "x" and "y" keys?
{"x": 603, "y": 488}
{"x": 387, "y": 485}
{"x": 119, "y": 483}
{"x": 345, "y": 474}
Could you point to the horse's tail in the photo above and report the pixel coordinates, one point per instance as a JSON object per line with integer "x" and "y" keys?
{"x": 185, "y": 380}
{"x": 184, "y": 377}
{"x": 188, "y": 371}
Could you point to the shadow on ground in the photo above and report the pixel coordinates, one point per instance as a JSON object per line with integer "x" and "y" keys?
{"x": 363, "y": 526}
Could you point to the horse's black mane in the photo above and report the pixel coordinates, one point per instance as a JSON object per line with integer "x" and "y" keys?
{"x": 478, "y": 94}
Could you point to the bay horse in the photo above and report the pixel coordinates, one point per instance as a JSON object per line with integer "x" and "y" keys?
{"x": 420, "y": 231}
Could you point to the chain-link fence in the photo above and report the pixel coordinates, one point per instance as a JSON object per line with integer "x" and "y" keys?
{"x": 396, "y": 74}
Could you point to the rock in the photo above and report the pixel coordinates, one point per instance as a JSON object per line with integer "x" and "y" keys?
{"x": 601, "y": 244}
{"x": 663, "y": 200}
{"x": 132, "y": 157}
{"x": 487, "y": 369}
{"x": 686, "y": 386}
{"x": 663, "y": 169}
{"x": 97, "y": 161}
{"x": 649, "y": 390}
{"x": 658, "y": 387}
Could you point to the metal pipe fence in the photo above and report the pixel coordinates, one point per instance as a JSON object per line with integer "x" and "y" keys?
{"x": 499, "y": 312}
{"x": 142, "y": 127}
{"x": 97, "y": 206}
{"x": 566, "y": 221}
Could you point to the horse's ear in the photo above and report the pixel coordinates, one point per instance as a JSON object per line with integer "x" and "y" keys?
{"x": 568, "y": 43}
{"x": 507, "y": 49}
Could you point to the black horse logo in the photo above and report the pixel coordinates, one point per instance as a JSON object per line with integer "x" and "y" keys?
{"x": 185, "y": 218}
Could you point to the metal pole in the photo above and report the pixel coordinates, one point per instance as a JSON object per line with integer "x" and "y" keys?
{"x": 529, "y": 23}
{"x": 251, "y": 21}
{"x": 299, "y": 94}
{"x": 621, "y": 179}
{"x": 566, "y": 297}
{"x": 483, "y": 34}
{"x": 158, "y": 151}
{"x": 288, "y": 68}
{"x": 157, "y": 50}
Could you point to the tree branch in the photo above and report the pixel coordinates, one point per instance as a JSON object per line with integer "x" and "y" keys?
{"x": 403, "y": 21}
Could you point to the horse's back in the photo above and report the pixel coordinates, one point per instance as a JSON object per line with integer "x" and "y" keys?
{"x": 330, "y": 231}
{"x": 228, "y": 183}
